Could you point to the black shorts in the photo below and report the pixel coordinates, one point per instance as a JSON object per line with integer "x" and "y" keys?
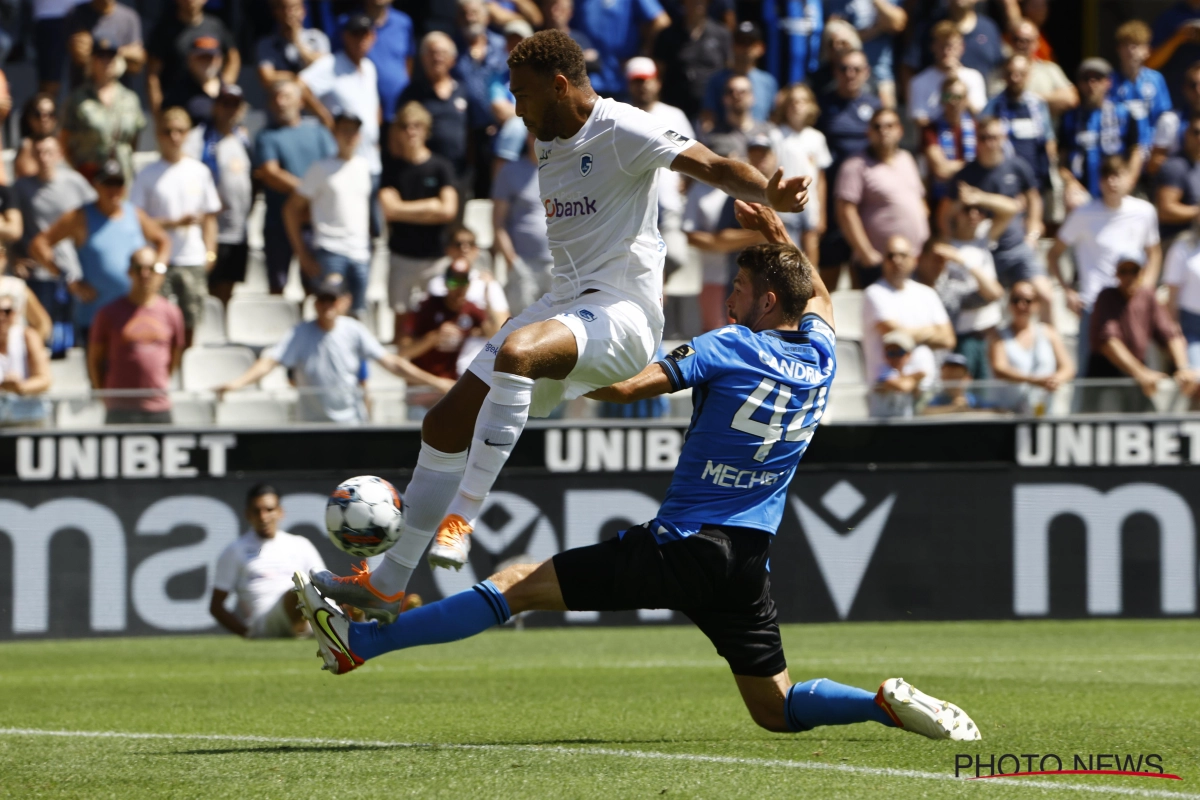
{"x": 718, "y": 578}
{"x": 230, "y": 266}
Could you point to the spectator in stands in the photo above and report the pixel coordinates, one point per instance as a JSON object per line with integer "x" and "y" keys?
{"x": 1176, "y": 41}
{"x": 1143, "y": 90}
{"x": 392, "y": 53}
{"x": 739, "y": 124}
{"x": 436, "y": 331}
{"x": 1169, "y": 132}
{"x": 283, "y": 154}
{"x": 1029, "y": 354}
{"x": 291, "y": 48}
{"x": 1005, "y": 184}
{"x": 1181, "y": 274}
{"x": 348, "y": 81}
{"x": 984, "y": 54}
{"x": 1101, "y": 232}
{"x": 559, "y": 14}
{"x": 644, "y": 87}
{"x": 846, "y": 113}
{"x": 325, "y": 357}
{"x": 877, "y": 23}
{"x": 335, "y": 196}
{"x": 690, "y": 52}
{"x": 949, "y": 140}
{"x": 172, "y": 42}
{"x": 794, "y": 46}
{"x": 102, "y": 119}
{"x": 963, "y": 274}
{"x": 1125, "y": 318}
{"x": 11, "y": 226}
{"x": 1098, "y": 128}
{"x": 178, "y": 193}
{"x": 1026, "y": 119}
{"x": 27, "y": 309}
{"x": 445, "y": 99}
{"x": 925, "y": 89}
{"x": 955, "y": 396}
{"x": 200, "y": 84}
{"x": 50, "y": 42}
{"x": 258, "y": 568}
{"x": 419, "y": 200}
{"x": 900, "y": 377}
{"x": 879, "y": 195}
{"x": 898, "y": 303}
{"x": 482, "y": 53}
{"x": 619, "y": 31}
{"x": 223, "y": 146}
{"x": 137, "y": 342}
{"x": 39, "y": 118}
{"x": 1046, "y": 78}
{"x": 839, "y": 37}
{"x": 1177, "y": 194}
{"x": 519, "y": 227}
{"x": 106, "y": 233}
{"x": 24, "y": 366}
{"x": 54, "y": 190}
{"x": 104, "y": 19}
{"x": 803, "y": 150}
{"x": 484, "y": 290}
{"x": 748, "y": 48}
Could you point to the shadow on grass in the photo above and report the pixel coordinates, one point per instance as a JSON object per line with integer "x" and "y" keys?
{"x": 276, "y": 749}
{"x": 349, "y": 747}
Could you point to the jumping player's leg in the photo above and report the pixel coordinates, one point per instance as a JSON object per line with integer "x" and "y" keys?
{"x": 775, "y": 703}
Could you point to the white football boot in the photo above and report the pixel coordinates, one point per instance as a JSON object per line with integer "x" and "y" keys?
{"x": 330, "y": 625}
{"x": 913, "y": 710}
{"x": 452, "y": 545}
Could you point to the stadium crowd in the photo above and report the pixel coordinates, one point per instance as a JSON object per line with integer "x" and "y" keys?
{"x": 956, "y": 168}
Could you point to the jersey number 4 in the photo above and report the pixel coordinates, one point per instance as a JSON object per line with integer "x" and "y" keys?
{"x": 771, "y": 432}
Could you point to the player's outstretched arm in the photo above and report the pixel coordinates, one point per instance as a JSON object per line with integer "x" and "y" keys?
{"x": 741, "y": 180}
{"x": 650, "y": 382}
{"x": 757, "y": 217}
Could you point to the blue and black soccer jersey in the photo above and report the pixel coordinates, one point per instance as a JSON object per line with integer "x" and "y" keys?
{"x": 757, "y": 399}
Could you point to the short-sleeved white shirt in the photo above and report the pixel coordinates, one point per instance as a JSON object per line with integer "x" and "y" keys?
{"x": 925, "y": 92}
{"x": 325, "y": 367}
{"x": 338, "y": 83}
{"x": 670, "y": 198}
{"x": 168, "y": 191}
{"x": 339, "y": 193}
{"x": 805, "y": 153}
{"x": 703, "y": 214}
{"x": 259, "y": 571}
{"x": 1181, "y": 269}
{"x": 914, "y": 306}
{"x": 1102, "y": 236}
{"x": 600, "y": 192}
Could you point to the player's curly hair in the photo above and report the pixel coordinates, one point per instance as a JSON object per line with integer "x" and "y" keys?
{"x": 782, "y": 269}
{"x": 551, "y": 53}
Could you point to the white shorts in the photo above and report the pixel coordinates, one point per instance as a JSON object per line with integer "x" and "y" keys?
{"x": 614, "y": 337}
{"x": 273, "y": 623}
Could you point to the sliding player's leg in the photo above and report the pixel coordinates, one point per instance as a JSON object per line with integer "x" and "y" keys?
{"x": 445, "y": 435}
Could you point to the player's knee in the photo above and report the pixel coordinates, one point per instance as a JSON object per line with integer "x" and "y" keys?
{"x": 518, "y": 354}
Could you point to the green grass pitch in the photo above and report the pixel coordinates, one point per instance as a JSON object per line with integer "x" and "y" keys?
{"x": 644, "y": 712}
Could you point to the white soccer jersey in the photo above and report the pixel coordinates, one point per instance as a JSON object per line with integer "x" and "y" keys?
{"x": 600, "y": 191}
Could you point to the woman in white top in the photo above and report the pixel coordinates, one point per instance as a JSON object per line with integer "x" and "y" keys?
{"x": 1029, "y": 354}
{"x": 803, "y": 151}
{"x": 1181, "y": 274}
{"x": 24, "y": 368}
{"x": 29, "y": 311}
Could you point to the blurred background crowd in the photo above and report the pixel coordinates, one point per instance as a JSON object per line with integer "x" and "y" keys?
{"x": 318, "y": 210}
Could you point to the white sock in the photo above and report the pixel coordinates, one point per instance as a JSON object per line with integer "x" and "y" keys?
{"x": 499, "y": 425}
{"x": 434, "y": 483}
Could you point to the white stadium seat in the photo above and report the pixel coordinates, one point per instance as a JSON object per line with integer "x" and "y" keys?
{"x": 69, "y": 374}
{"x": 211, "y": 329}
{"x": 79, "y": 414}
{"x": 250, "y": 411}
{"x": 260, "y": 321}
{"x": 205, "y": 368}
{"x": 477, "y": 215}
{"x": 850, "y": 366}
{"x": 847, "y": 403}
{"x": 847, "y": 314}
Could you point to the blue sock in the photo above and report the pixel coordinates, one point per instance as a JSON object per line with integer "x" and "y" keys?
{"x": 457, "y": 617}
{"x": 823, "y": 702}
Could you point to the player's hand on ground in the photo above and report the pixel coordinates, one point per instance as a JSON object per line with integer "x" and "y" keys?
{"x": 757, "y": 217}
{"x": 788, "y": 194}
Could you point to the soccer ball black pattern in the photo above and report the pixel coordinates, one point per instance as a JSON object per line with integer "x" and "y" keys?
{"x": 363, "y": 516}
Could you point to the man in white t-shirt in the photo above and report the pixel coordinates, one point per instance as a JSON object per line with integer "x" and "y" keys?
{"x": 1102, "y": 232}
{"x": 925, "y": 89}
{"x": 335, "y": 197}
{"x": 896, "y": 302}
{"x": 258, "y": 568}
{"x": 178, "y": 193}
{"x": 601, "y": 322}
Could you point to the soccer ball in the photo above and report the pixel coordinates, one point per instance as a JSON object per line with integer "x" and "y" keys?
{"x": 363, "y": 516}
